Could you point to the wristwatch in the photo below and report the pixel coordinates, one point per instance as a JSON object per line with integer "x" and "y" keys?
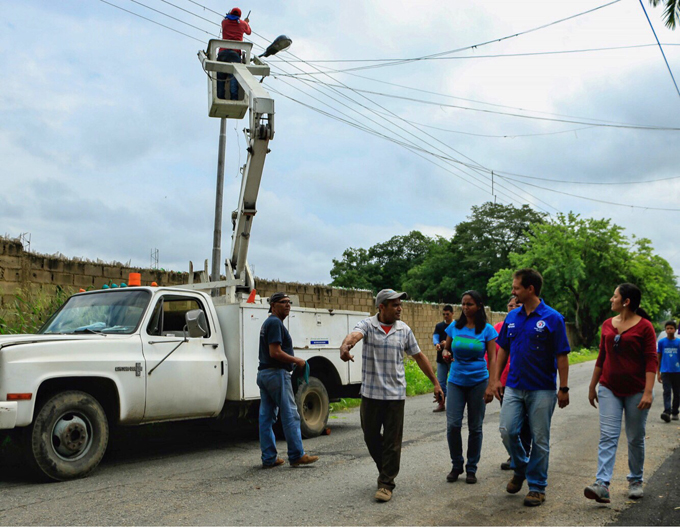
{"x": 564, "y": 389}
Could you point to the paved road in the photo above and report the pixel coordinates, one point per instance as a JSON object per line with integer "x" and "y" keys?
{"x": 189, "y": 474}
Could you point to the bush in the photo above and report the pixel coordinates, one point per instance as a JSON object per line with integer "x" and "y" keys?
{"x": 31, "y": 311}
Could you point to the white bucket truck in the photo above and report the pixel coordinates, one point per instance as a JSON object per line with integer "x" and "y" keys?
{"x": 138, "y": 355}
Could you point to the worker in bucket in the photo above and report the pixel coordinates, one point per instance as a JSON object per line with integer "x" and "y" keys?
{"x": 233, "y": 28}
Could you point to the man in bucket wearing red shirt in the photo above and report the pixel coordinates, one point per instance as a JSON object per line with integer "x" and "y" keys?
{"x": 233, "y": 28}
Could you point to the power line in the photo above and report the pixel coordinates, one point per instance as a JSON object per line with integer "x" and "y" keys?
{"x": 647, "y": 181}
{"x": 153, "y": 21}
{"x": 569, "y": 121}
{"x": 474, "y": 46}
{"x": 468, "y": 57}
{"x": 660, "y": 48}
{"x": 592, "y": 199}
{"x": 172, "y": 17}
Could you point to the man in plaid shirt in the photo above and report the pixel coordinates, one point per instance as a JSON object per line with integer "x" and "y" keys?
{"x": 383, "y": 383}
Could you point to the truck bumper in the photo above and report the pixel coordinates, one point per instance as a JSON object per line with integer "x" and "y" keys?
{"x": 8, "y": 414}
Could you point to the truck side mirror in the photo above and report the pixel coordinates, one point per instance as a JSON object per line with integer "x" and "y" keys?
{"x": 197, "y": 325}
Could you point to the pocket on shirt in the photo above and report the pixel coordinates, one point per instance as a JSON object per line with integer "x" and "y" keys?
{"x": 538, "y": 341}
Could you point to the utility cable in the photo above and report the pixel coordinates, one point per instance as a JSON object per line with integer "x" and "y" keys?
{"x": 467, "y": 57}
{"x": 660, "y": 48}
{"x": 475, "y": 46}
{"x": 153, "y": 21}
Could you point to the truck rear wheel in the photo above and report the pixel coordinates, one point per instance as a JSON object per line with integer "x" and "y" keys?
{"x": 68, "y": 437}
{"x": 313, "y": 405}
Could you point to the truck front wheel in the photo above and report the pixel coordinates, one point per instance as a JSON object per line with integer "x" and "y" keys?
{"x": 313, "y": 405}
{"x": 68, "y": 436}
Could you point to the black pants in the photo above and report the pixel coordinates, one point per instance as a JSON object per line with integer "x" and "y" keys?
{"x": 671, "y": 385}
{"x": 227, "y": 55}
{"x": 383, "y": 426}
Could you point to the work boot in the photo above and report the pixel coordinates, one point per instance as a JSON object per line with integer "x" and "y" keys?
{"x": 598, "y": 492}
{"x": 383, "y": 495}
{"x": 276, "y": 463}
{"x": 471, "y": 478}
{"x": 534, "y": 499}
{"x": 453, "y": 475}
{"x": 666, "y": 417}
{"x": 506, "y": 464}
{"x": 515, "y": 484}
{"x": 675, "y": 417}
{"x": 304, "y": 460}
{"x": 440, "y": 408}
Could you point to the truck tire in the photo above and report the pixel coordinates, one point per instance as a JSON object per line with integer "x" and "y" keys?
{"x": 313, "y": 405}
{"x": 68, "y": 437}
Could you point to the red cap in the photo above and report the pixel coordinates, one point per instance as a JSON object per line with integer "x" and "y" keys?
{"x": 236, "y": 11}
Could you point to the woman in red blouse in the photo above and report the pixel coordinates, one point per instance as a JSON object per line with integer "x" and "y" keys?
{"x": 625, "y": 369}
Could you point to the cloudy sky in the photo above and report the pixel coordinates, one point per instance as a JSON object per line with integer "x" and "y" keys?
{"x": 106, "y": 149}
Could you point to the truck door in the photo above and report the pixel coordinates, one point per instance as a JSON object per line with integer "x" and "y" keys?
{"x": 190, "y": 382}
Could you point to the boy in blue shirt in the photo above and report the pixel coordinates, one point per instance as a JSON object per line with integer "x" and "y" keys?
{"x": 669, "y": 372}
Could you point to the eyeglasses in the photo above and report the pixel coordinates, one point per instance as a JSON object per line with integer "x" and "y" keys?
{"x": 284, "y": 302}
{"x": 617, "y": 339}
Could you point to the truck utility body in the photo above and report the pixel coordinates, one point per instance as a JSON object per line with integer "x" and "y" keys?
{"x": 122, "y": 356}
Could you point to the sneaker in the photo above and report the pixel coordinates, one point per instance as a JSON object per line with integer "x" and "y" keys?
{"x": 515, "y": 485}
{"x": 666, "y": 417}
{"x": 440, "y": 408}
{"x": 506, "y": 464}
{"x": 276, "y": 463}
{"x": 534, "y": 499}
{"x": 598, "y": 492}
{"x": 635, "y": 490}
{"x": 675, "y": 417}
{"x": 471, "y": 478}
{"x": 304, "y": 460}
{"x": 383, "y": 495}
{"x": 453, "y": 475}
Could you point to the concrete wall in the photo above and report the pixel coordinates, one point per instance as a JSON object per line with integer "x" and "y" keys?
{"x": 23, "y": 272}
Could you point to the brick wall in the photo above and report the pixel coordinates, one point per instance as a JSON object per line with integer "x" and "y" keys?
{"x": 23, "y": 272}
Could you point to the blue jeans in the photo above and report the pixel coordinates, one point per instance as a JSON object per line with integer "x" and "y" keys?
{"x": 538, "y": 406}
{"x": 611, "y": 408}
{"x": 458, "y": 397}
{"x": 227, "y": 55}
{"x": 276, "y": 394}
{"x": 671, "y": 385}
{"x": 443, "y": 375}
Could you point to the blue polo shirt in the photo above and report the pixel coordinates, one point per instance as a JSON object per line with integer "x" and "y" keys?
{"x": 533, "y": 342}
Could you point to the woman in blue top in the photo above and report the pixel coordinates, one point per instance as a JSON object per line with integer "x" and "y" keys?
{"x": 469, "y": 338}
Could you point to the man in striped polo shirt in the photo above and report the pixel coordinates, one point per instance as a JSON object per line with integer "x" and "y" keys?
{"x": 383, "y": 383}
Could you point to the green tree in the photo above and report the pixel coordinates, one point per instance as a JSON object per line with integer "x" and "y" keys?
{"x": 382, "y": 266}
{"x": 480, "y": 247}
{"x": 582, "y": 261}
{"x": 671, "y": 13}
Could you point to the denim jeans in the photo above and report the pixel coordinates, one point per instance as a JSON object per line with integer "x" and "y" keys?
{"x": 611, "y": 408}
{"x": 227, "y": 55}
{"x": 443, "y": 375}
{"x": 524, "y": 436}
{"x": 458, "y": 397}
{"x": 276, "y": 394}
{"x": 671, "y": 385}
{"x": 538, "y": 406}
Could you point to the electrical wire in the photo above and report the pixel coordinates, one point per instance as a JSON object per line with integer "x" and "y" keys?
{"x": 602, "y": 183}
{"x": 660, "y": 48}
{"x": 467, "y": 57}
{"x": 593, "y": 199}
{"x": 475, "y": 46}
{"x": 152, "y": 21}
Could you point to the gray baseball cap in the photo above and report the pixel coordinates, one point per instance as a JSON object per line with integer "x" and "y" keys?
{"x": 388, "y": 294}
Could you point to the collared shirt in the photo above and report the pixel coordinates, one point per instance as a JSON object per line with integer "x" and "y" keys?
{"x": 533, "y": 343}
{"x": 382, "y": 367}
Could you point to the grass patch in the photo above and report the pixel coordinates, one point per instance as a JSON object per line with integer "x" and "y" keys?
{"x": 345, "y": 404}
{"x": 416, "y": 382}
{"x": 583, "y": 355}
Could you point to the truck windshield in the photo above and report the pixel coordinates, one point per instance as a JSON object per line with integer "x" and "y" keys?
{"x": 106, "y": 312}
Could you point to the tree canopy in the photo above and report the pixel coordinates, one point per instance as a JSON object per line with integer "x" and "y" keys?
{"x": 582, "y": 261}
{"x": 671, "y": 11}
